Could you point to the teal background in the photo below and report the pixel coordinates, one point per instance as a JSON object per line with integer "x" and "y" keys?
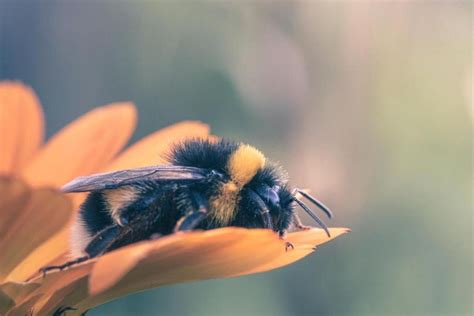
{"x": 369, "y": 104}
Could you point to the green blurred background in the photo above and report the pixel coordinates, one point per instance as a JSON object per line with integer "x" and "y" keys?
{"x": 369, "y": 104}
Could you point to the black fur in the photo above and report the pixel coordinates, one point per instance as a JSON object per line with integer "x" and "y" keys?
{"x": 271, "y": 175}
{"x": 94, "y": 213}
{"x": 203, "y": 154}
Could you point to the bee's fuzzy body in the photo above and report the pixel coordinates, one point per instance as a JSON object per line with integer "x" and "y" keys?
{"x": 241, "y": 189}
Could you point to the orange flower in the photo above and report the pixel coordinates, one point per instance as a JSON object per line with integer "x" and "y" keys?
{"x": 34, "y": 221}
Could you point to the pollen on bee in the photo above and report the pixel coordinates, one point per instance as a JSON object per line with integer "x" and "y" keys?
{"x": 244, "y": 163}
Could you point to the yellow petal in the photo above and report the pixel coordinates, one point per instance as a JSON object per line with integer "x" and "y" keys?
{"x": 149, "y": 150}
{"x": 21, "y": 125}
{"x": 37, "y": 216}
{"x": 84, "y": 146}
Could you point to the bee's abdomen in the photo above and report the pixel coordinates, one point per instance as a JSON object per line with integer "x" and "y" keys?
{"x": 94, "y": 213}
{"x": 92, "y": 217}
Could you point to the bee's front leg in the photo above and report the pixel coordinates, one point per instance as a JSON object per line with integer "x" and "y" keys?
{"x": 63, "y": 266}
{"x": 96, "y": 247}
{"x": 260, "y": 208}
{"x": 298, "y": 224}
{"x": 195, "y": 215}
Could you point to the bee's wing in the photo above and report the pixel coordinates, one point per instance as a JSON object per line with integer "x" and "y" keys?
{"x": 115, "y": 179}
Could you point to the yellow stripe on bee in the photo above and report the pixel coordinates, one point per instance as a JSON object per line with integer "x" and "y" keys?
{"x": 244, "y": 164}
{"x": 223, "y": 204}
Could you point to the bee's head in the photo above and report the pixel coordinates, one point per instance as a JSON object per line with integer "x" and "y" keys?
{"x": 269, "y": 184}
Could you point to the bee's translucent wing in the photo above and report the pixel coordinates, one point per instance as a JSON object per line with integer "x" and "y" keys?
{"x": 115, "y": 179}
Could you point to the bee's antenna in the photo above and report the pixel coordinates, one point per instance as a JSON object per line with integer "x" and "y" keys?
{"x": 316, "y": 202}
{"x": 312, "y": 214}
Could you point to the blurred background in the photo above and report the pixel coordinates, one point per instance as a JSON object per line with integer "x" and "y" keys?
{"x": 369, "y": 104}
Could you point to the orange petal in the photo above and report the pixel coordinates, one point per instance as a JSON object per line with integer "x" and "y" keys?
{"x": 304, "y": 243}
{"x": 315, "y": 236}
{"x": 61, "y": 289}
{"x": 40, "y": 213}
{"x": 14, "y": 195}
{"x": 149, "y": 150}
{"x": 133, "y": 256}
{"x": 24, "y": 308}
{"x": 18, "y": 290}
{"x": 42, "y": 290}
{"x": 105, "y": 274}
{"x": 215, "y": 253}
{"x": 21, "y": 125}
{"x": 226, "y": 252}
{"x": 56, "y": 246}
{"x": 84, "y": 146}
{"x": 65, "y": 297}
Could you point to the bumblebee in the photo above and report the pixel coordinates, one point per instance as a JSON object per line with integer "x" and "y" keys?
{"x": 206, "y": 185}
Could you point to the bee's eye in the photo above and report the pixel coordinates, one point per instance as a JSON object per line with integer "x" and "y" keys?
{"x": 268, "y": 195}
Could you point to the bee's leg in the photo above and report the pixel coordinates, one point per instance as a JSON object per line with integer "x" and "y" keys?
{"x": 63, "y": 266}
{"x": 195, "y": 216}
{"x": 126, "y": 215}
{"x": 141, "y": 227}
{"x": 97, "y": 246}
{"x": 298, "y": 224}
{"x": 261, "y": 208}
{"x": 102, "y": 240}
{"x": 288, "y": 245}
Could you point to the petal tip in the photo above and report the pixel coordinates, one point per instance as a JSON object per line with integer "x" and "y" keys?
{"x": 338, "y": 231}
{"x": 316, "y": 236}
{"x": 14, "y": 84}
{"x": 126, "y": 107}
{"x": 196, "y": 123}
